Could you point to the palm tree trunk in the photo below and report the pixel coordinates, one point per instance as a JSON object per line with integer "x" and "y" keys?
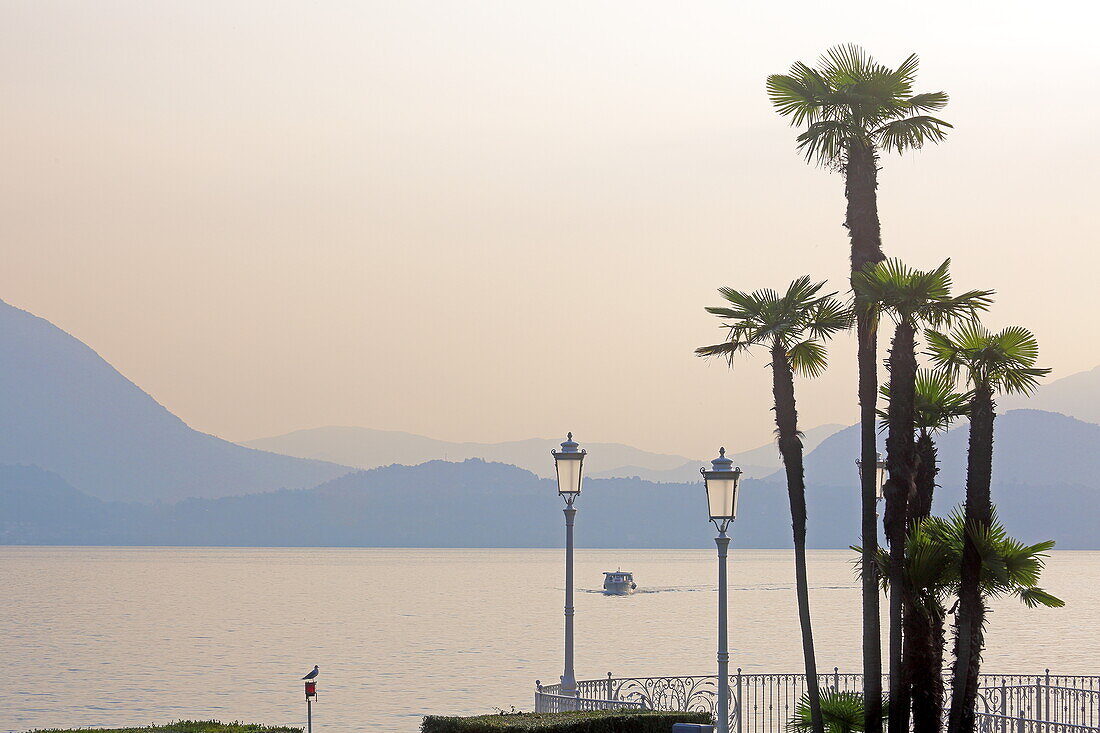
{"x": 861, "y": 220}
{"x": 924, "y": 662}
{"x": 970, "y": 621}
{"x": 922, "y": 655}
{"x": 927, "y": 469}
{"x": 790, "y": 447}
{"x": 901, "y": 459}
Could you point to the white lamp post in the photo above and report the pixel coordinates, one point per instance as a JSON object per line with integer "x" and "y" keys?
{"x": 722, "y": 483}
{"x": 568, "y": 464}
{"x": 880, "y": 474}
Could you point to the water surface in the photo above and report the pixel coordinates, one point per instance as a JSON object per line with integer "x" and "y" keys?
{"x": 100, "y": 637}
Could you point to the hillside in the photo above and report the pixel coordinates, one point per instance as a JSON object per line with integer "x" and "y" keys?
{"x": 366, "y": 449}
{"x": 479, "y": 504}
{"x": 1045, "y": 469}
{"x": 66, "y": 410}
{"x": 1077, "y": 395}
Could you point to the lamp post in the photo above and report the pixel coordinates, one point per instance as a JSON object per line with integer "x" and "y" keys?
{"x": 568, "y": 463}
{"x": 880, "y": 474}
{"x": 722, "y": 482}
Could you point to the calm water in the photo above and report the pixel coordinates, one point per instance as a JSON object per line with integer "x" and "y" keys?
{"x": 100, "y": 637}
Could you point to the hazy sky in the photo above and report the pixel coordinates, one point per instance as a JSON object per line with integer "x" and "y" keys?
{"x": 496, "y": 220}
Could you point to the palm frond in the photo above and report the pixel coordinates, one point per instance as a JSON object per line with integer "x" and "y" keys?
{"x": 827, "y": 141}
{"x": 1035, "y": 597}
{"x": 800, "y": 94}
{"x": 910, "y": 133}
{"x": 927, "y": 102}
{"x": 808, "y": 358}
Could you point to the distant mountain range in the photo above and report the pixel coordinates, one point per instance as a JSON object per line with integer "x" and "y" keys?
{"x": 86, "y": 457}
{"x": 366, "y": 448}
{"x": 479, "y": 504}
{"x": 1077, "y": 395}
{"x": 65, "y": 409}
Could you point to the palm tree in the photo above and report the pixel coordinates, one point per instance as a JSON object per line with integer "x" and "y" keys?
{"x": 853, "y": 108}
{"x": 793, "y": 327}
{"x": 937, "y": 406}
{"x": 842, "y": 712}
{"x": 991, "y": 363}
{"x": 911, "y": 298}
{"x": 934, "y": 549}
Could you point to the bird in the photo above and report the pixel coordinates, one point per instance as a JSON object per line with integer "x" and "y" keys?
{"x": 312, "y": 674}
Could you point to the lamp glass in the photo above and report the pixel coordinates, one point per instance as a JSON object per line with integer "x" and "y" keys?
{"x": 570, "y": 474}
{"x": 722, "y": 494}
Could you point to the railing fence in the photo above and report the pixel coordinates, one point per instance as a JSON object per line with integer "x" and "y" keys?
{"x": 762, "y": 703}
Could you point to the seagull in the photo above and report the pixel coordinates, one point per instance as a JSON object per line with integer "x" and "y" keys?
{"x": 312, "y": 674}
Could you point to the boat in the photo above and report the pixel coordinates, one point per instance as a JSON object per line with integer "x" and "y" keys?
{"x": 619, "y": 583}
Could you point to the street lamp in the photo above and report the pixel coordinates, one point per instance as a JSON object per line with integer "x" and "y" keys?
{"x": 722, "y": 482}
{"x": 880, "y": 474}
{"x": 568, "y": 464}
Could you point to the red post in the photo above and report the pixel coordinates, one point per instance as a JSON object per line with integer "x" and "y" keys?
{"x": 311, "y": 694}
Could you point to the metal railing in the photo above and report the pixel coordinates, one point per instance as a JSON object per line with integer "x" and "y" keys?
{"x": 993, "y": 723}
{"x": 548, "y": 699}
{"x": 766, "y": 702}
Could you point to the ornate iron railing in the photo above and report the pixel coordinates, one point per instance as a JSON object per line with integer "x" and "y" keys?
{"x": 548, "y": 699}
{"x": 766, "y": 702}
{"x": 992, "y": 723}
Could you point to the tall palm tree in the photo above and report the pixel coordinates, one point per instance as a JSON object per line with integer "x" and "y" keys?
{"x": 991, "y": 363}
{"x": 937, "y": 406}
{"x": 793, "y": 327}
{"x": 852, "y": 109}
{"x": 911, "y": 298}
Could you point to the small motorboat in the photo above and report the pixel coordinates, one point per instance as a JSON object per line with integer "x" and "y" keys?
{"x": 619, "y": 583}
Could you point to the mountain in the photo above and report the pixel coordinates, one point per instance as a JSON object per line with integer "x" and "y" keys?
{"x": 1044, "y": 485}
{"x": 66, "y": 410}
{"x": 1077, "y": 395}
{"x": 1046, "y": 474}
{"x": 435, "y": 504}
{"x": 366, "y": 448}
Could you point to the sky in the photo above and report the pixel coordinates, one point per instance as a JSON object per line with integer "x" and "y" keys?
{"x": 490, "y": 221}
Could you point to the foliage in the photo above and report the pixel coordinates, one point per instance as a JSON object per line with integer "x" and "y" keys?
{"x": 598, "y": 721}
{"x": 1003, "y": 360}
{"x": 937, "y": 403}
{"x": 852, "y": 100}
{"x": 914, "y": 296}
{"x": 799, "y": 321}
{"x": 934, "y": 550}
{"x": 190, "y": 726}
{"x": 842, "y": 712}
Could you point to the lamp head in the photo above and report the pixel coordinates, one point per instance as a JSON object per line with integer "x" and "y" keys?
{"x": 722, "y": 483}
{"x": 568, "y": 466}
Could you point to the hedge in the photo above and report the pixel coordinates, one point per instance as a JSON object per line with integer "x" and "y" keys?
{"x": 598, "y": 721}
{"x": 186, "y": 726}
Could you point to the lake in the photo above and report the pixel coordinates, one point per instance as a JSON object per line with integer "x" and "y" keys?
{"x": 100, "y": 637}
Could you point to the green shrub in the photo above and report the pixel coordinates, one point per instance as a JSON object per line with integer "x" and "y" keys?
{"x": 188, "y": 726}
{"x": 598, "y": 721}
